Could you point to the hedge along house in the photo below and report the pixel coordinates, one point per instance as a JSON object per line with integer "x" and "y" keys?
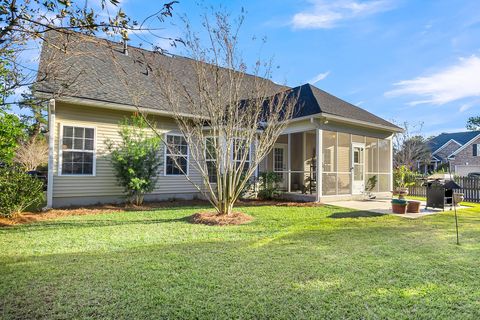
{"x": 329, "y": 149}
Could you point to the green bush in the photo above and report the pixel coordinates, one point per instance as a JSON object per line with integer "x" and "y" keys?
{"x": 403, "y": 177}
{"x": 135, "y": 158}
{"x": 268, "y": 185}
{"x": 18, "y": 191}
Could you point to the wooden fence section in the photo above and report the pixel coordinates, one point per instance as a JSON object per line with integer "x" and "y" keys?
{"x": 470, "y": 187}
{"x": 418, "y": 191}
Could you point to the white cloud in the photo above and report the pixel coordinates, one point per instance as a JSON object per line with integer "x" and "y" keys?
{"x": 465, "y": 107}
{"x": 319, "y": 77}
{"x": 453, "y": 83}
{"x": 328, "y": 14}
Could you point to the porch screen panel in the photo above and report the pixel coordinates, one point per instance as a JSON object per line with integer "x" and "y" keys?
{"x": 384, "y": 182}
{"x": 360, "y": 139}
{"x": 344, "y": 183}
{"x": 371, "y": 161}
{"x": 329, "y": 184}
{"x": 329, "y": 152}
{"x": 344, "y": 153}
{"x": 384, "y": 165}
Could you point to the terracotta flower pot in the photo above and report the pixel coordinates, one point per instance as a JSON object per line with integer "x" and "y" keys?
{"x": 413, "y": 206}
{"x": 399, "y": 208}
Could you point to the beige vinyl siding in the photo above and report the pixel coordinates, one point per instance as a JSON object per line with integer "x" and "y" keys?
{"x": 103, "y": 183}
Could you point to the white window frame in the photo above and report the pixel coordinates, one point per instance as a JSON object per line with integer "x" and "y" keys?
{"x": 179, "y": 155}
{"x": 205, "y": 153}
{"x": 249, "y": 154}
{"x": 60, "y": 150}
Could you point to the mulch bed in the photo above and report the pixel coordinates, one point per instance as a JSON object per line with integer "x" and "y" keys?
{"x": 214, "y": 219}
{"x": 28, "y": 217}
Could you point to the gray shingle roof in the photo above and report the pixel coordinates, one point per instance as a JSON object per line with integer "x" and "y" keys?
{"x": 461, "y": 137}
{"x": 312, "y": 100}
{"x": 97, "y": 69}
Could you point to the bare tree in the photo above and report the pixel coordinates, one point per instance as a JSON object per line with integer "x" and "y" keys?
{"x": 410, "y": 147}
{"x": 32, "y": 154}
{"x": 228, "y": 114}
{"x": 239, "y": 116}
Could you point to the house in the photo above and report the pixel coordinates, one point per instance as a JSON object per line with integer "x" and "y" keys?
{"x": 460, "y": 150}
{"x": 330, "y": 147}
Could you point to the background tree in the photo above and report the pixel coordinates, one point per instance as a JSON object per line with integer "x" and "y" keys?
{"x": 473, "y": 123}
{"x": 135, "y": 158}
{"x": 235, "y": 112}
{"x": 32, "y": 154}
{"x": 23, "y": 23}
{"x": 410, "y": 147}
{"x": 12, "y": 132}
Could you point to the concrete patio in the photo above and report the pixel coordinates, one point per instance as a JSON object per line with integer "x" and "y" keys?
{"x": 383, "y": 206}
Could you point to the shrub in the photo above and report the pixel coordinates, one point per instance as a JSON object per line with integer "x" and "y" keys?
{"x": 403, "y": 177}
{"x": 11, "y": 133}
{"x": 135, "y": 158}
{"x": 18, "y": 191}
{"x": 268, "y": 185}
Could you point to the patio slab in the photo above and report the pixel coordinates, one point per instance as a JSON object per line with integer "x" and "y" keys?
{"x": 383, "y": 206}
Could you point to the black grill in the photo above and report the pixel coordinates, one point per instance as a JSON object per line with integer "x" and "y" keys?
{"x": 440, "y": 193}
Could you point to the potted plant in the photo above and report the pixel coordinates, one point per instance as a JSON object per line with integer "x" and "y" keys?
{"x": 399, "y": 206}
{"x": 404, "y": 178}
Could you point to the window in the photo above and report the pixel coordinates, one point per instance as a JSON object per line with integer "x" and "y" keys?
{"x": 239, "y": 149}
{"x": 176, "y": 155}
{"x": 77, "y": 151}
{"x": 476, "y": 150}
{"x": 211, "y": 159}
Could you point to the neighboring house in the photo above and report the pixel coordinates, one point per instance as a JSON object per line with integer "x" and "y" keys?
{"x": 460, "y": 150}
{"x": 329, "y": 149}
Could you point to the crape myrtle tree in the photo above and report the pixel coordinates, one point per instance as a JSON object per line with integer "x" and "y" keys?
{"x": 229, "y": 118}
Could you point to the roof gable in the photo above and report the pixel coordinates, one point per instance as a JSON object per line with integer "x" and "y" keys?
{"x": 436, "y": 143}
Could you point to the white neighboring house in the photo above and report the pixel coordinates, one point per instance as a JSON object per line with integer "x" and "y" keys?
{"x": 329, "y": 149}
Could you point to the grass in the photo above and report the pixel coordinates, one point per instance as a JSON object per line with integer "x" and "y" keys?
{"x": 290, "y": 262}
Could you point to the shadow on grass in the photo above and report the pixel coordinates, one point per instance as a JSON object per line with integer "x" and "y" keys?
{"x": 93, "y": 223}
{"x": 355, "y": 214}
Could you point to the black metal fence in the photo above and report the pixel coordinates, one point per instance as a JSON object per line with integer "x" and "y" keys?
{"x": 470, "y": 187}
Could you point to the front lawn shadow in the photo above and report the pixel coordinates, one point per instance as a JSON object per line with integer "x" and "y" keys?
{"x": 355, "y": 214}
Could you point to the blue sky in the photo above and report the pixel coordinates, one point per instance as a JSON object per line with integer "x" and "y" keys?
{"x": 404, "y": 60}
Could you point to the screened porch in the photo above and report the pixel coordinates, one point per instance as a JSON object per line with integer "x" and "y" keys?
{"x": 348, "y": 163}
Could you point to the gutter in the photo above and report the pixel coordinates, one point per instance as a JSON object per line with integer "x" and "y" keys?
{"x": 51, "y": 150}
{"x": 360, "y": 123}
{"x": 114, "y": 106}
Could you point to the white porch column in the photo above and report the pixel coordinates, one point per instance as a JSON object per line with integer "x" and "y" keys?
{"x": 289, "y": 163}
{"x": 51, "y": 149}
{"x": 391, "y": 162}
{"x": 318, "y": 146}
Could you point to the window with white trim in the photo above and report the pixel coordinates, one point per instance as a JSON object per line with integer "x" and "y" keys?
{"x": 77, "y": 150}
{"x": 176, "y": 155}
{"x": 211, "y": 158}
{"x": 239, "y": 152}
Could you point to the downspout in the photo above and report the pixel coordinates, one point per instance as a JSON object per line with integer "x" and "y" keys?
{"x": 51, "y": 150}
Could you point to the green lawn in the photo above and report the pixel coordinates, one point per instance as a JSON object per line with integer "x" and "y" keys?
{"x": 290, "y": 262}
